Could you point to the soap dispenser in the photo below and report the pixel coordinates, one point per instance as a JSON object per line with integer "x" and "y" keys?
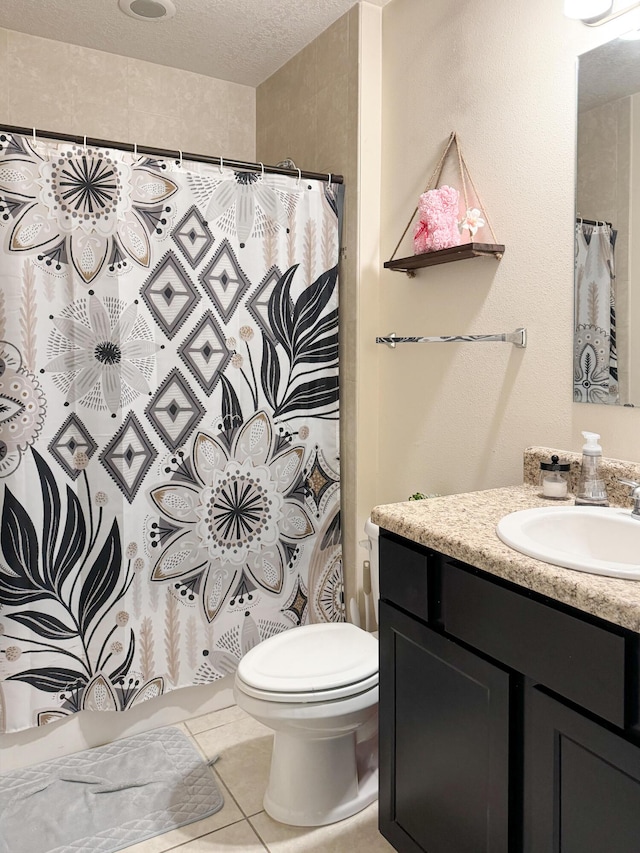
{"x": 591, "y": 489}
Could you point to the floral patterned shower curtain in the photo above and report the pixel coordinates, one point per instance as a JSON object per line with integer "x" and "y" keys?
{"x": 169, "y": 460}
{"x": 595, "y": 360}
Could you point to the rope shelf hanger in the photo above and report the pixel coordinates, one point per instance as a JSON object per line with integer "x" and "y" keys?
{"x": 409, "y": 264}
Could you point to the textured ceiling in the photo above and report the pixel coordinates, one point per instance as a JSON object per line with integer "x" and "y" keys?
{"x": 243, "y": 41}
{"x": 608, "y": 72}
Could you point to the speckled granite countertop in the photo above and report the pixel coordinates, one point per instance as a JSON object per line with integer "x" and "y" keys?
{"x": 463, "y": 527}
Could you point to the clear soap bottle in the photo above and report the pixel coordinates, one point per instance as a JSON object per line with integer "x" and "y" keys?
{"x": 591, "y": 488}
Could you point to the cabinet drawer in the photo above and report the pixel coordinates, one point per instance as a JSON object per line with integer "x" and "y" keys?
{"x": 403, "y": 574}
{"x": 583, "y": 662}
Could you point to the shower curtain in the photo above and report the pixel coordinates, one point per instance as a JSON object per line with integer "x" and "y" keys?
{"x": 169, "y": 459}
{"x": 595, "y": 366}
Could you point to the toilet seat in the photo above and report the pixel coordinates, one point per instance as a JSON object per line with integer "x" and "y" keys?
{"x": 313, "y": 663}
{"x": 345, "y": 691}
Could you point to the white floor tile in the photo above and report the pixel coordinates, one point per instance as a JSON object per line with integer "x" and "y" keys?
{"x": 215, "y": 719}
{"x": 239, "y": 835}
{"x": 244, "y": 747}
{"x": 357, "y": 834}
{"x": 228, "y": 814}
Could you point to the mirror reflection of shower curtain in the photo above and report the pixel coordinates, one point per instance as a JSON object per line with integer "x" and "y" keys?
{"x": 595, "y": 366}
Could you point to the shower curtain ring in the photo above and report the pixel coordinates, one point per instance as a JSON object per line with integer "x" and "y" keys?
{"x": 180, "y": 161}
{"x": 135, "y": 150}
{"x": 221, "y": 166}
{"x": 262, "y": 168}
{"x": 34, "y": 136}
{"x": 299, "y": 177}
{"x": 330, "y": 181}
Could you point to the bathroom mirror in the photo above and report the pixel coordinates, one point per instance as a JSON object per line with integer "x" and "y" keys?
{"x": 606, "y": 356}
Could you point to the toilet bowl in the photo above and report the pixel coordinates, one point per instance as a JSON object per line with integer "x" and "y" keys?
{"x": 316, "y": 686}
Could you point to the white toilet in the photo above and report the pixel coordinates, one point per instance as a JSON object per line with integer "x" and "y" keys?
{"x": 317, "y": 687}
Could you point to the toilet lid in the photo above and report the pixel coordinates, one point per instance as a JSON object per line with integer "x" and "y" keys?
{"x": 310, "y": 659}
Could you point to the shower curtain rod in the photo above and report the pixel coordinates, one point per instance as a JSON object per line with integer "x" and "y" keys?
{"x": 170, "y": 153}
{"x": 593, "y": 221}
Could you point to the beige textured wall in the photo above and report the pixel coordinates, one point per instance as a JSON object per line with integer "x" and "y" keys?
{"x": 305, "y": 110}
{"x": 308, "y": 111}
{"x": 603, "y": 163}
{"x": 71, "y": 89}
{"x": 456, "y": 417}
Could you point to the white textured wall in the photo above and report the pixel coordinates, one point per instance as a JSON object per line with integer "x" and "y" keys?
{"x": 502, "y": 73}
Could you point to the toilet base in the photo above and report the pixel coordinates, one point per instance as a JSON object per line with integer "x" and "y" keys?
{"x": 318, "y": 782}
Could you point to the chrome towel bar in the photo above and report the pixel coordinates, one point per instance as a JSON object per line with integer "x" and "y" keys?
{"x": 517, "y": 338}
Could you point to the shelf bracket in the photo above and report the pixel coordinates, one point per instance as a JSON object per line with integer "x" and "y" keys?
{"x": 518, "y": 338}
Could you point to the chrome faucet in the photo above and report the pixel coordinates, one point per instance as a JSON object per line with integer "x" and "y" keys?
{"x": 635, "y": 494}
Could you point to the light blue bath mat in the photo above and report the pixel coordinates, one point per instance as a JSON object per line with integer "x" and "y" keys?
{"x": 104, "y": 799}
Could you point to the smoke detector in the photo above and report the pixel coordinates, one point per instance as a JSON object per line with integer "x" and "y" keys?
{"x": 152, "y": 11}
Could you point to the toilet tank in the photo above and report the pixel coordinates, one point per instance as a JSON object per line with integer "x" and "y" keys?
{"x": 373, "y": 532}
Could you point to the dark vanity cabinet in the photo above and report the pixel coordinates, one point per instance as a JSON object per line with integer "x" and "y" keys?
{"x": 508, "y": 722}
{"x": 444, "y": 764}
{"x": 582, "y": 785}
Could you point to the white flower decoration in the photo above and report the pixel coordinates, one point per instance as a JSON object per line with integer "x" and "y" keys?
{"x": 89, "y": 207}
{"x": 97, "y": 352}
{"x": 472, "y": 221}
{"x": 241, "y": 509}
{"x": 246, "y": 205}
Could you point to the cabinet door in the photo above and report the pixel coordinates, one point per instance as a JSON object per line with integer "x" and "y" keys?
{"x": 582, "y": 783}
{"x": 444, "y": 729}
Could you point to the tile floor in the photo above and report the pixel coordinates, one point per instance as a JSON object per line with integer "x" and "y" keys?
{"x": 244, "y": 749}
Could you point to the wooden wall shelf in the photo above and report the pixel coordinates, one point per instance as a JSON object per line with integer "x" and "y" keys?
{"x": 444, "y": 256}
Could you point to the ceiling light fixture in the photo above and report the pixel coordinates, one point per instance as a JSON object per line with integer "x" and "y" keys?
{"x": 152, "y": 11}
{"x": 594, "y": 13}
{"x": 587, "y": 10}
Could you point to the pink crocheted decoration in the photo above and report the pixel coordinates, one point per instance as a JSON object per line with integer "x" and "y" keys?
{"x": 438, "y": 224}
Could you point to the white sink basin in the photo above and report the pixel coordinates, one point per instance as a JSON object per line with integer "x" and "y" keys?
{"x": 598, "y": 540}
